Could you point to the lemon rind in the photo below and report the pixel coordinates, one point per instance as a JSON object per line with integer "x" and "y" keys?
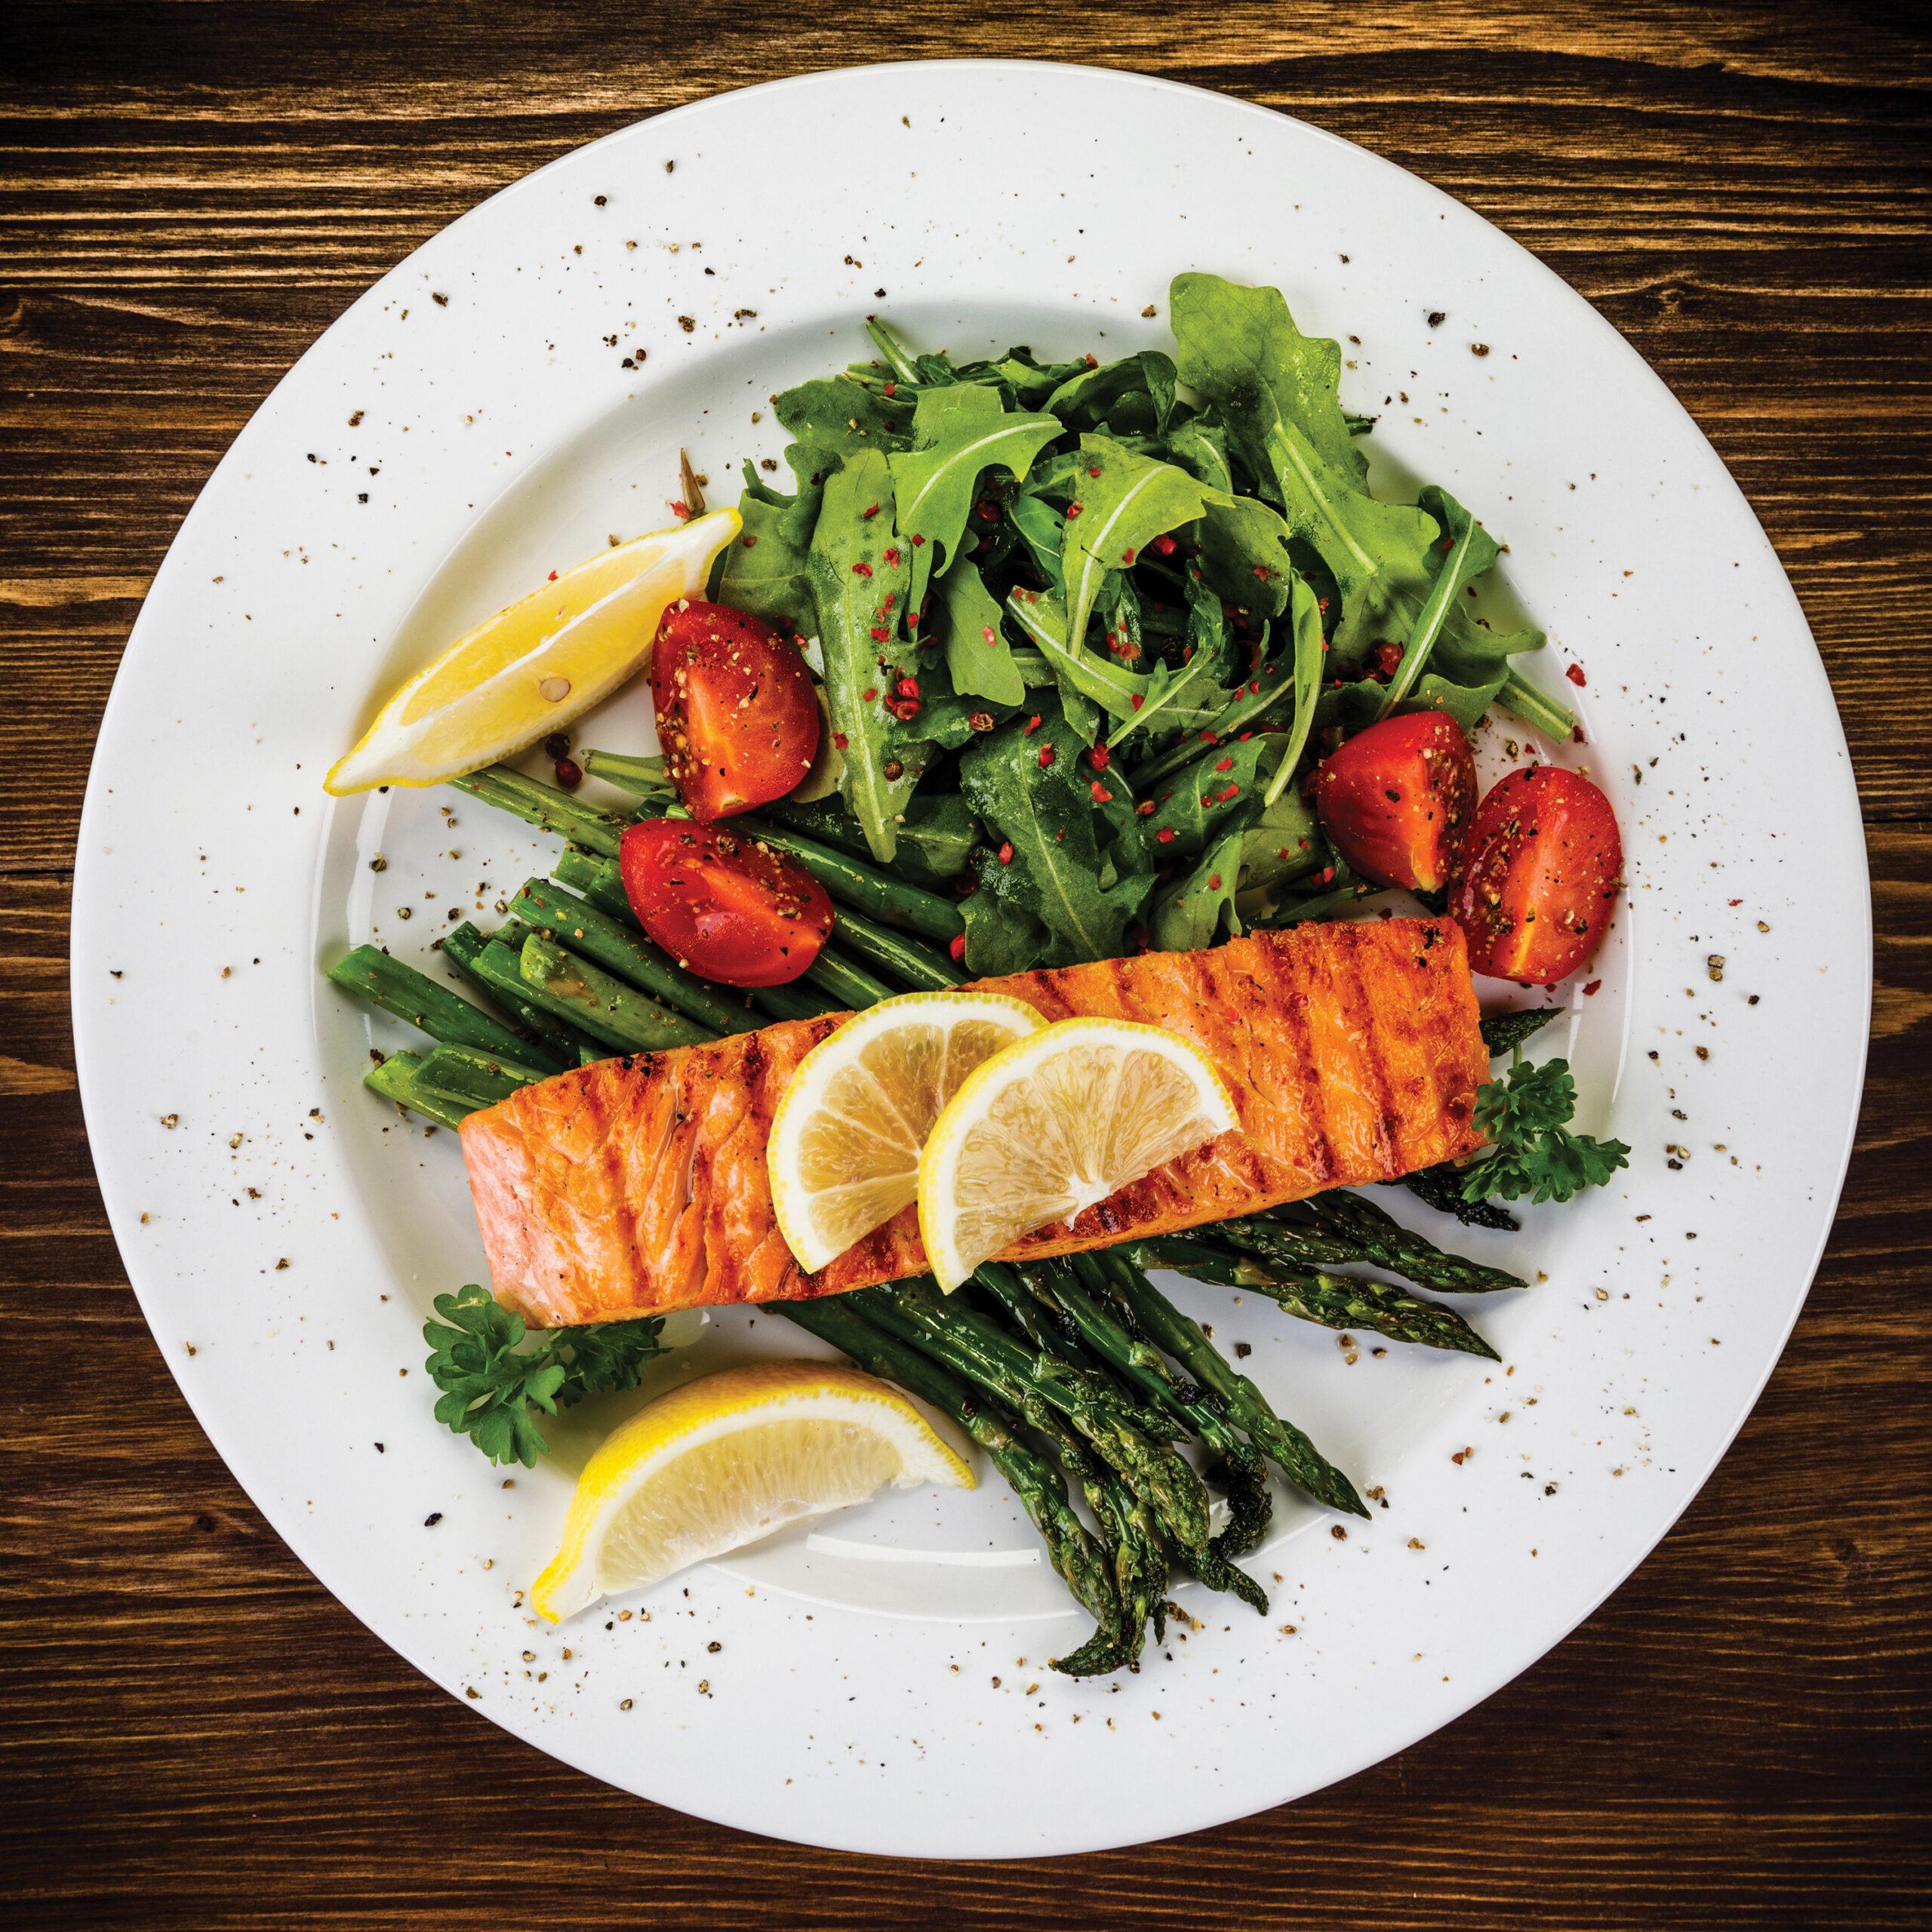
{"x": 970, "y": 1104}
{"x": 808, "y": 1082}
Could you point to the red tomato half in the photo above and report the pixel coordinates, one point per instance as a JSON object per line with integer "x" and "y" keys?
{"x": 736, "y": 713}
{"x": 1545, "y": 865}
{"x": 1396, "y": 800}
{"x": 723, "y": 906}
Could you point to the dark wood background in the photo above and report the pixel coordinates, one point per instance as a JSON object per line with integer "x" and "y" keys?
{"x": 194, "y": 1734}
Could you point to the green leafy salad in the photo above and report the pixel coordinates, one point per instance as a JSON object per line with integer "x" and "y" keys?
{"x": 1140, "y": 616}
{"x": 1105, "y": 657}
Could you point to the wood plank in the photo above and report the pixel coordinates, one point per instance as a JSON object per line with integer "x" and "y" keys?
{"x": 193, "y": 1734}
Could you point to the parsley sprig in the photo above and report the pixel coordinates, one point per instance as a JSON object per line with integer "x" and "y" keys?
{"x": 491, "y": 1384}
{"x": 1526, "y": 1115}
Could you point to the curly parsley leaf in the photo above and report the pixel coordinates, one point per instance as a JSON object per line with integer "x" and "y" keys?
{"x": 491, "y": 1384}
{"x": 1526, "y": 1115}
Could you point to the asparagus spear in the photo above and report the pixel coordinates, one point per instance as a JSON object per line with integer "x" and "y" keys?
{"x": 850, "y": 986}
{"x": 1385, "y": 1243}
{"x": 852, "y": 883}
{"x": 795, "y": 1001}
{"x": 618, "y": 947}
{"x": 1137, "y": 1363}
{"x": 395, "y": 1079}
{"x": 913, "y": 965}
{"x": 642, "y": 778}
{"x": 547, "y": 807}
{"x": 465, "y": 1079}
{"x": 1131, "y": 1533}
{"x": 847, "y": 879}
{"x": 1331, "y": 1301}
{"x": 1070, "y": 1549}
{"x": 1503, "y": 1033}
{"x": 600, "y": 881}
{"x": 1050, "y": 1289}
{"x": 1298, "y": 1458}
{"x": 1127, "y": 1437}
{"x": 558, "y": 1040}
{"x": 371, "y": 974}
{"x": 1073, "y": 1287}
{"x": 602, "y": 1004}
{"x": 1441, "y": 1187}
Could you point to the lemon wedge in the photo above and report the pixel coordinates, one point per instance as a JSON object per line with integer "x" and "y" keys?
{"x": 844, "y": 1154}
{"x": 1054, "y": 1123}
{"x": 531, "y": 668}
{"x": 728, "y": 1459}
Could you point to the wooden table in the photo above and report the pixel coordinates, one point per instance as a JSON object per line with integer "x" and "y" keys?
{"x": 194, "y": 1734}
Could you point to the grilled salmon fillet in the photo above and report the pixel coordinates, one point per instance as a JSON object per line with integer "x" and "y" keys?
{"x": 637, "y": 1185}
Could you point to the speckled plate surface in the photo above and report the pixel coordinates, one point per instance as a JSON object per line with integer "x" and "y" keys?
{"x": 515, "y": 393}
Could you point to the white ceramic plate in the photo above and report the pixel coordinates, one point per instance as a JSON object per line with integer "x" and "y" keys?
{"x": 478, "y": 418}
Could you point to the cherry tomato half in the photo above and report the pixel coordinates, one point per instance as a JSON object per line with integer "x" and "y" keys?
{"x": 736, "y": 715}
{"x": 1396, "y": 800}
{"x": 723, "y": 906}
{"x": 1545, "y": 865}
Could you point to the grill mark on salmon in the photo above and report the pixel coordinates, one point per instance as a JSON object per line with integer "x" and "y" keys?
{"x": 1294, "y": 1013}
{"x": 636, "y": 1185}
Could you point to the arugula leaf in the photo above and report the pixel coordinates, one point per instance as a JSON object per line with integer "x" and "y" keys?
{"x": 898, "y": 358}
{"x": 1464, "y": 552}
{"x": 1194, "y": 693}
{"x": 1030, "y": 382}
{"x": 944, "y": 719}
{"x": 1126, "y": 501}
{"x": 1001, "y": 936}
{"x": 1260, "y": 700}
{"x": 1200, "y": 448}
{"x": 838, "y": 414}
{"x": 1238, "y": 345}
{"x": 1526, "y": 1115}
{"x": 1039, "y": 526}
{"x": 958, "y": 434}
{"x": 490, "y": 1384}
{"x": 859, "y": 579}
{"x": 766, "y": 570}
{"x": 1244, "y": 553}
{"x": 1378, "y": 553}
{"x": 1305, "y": 627}
{"x": 1218, "y": 790}
{"x": 1086, "y": 680}
{"x": 937, "y": 838}
{"x": 1193, "y": 913}
{"x": 1029, "y": 787}
{"x": 978, "y": 658}
{"x": 1283, "y": 843}
{"x": 1096, "y": 395}
{"x": 1355, "y": 707}
{"x": 1275, "y": 388}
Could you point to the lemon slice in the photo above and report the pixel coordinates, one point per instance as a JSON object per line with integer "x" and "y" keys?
{"x": 531, "y": 668}
{"x": 844, "y": 1154}
{"x": 728, "y": 1459}
{"x": 1055, "y": 1123}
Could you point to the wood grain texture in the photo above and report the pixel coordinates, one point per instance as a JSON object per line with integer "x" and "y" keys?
{"x": 193, "y": 1734}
